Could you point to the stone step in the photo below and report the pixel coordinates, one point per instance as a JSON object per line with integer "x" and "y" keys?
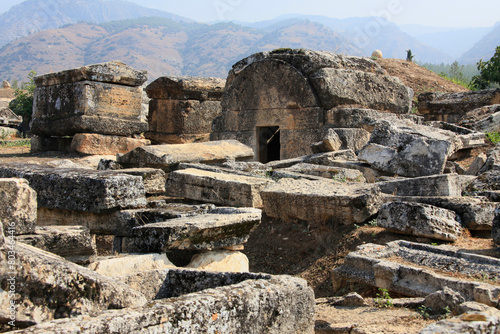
{"x": 79, "y": 189}
{"x": 219, "y": 228}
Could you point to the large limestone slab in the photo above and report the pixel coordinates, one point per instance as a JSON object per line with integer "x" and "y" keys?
{"x": 219, "y": 228}
{"x": 419, "y": 270}
{"x": 118, "y": 223}
{"x": 131, "y": 264}
{"x": 450, "y": 107}
{"x": 167, "y": 157}
{"x": 220, "y": 261}
{"x": 79, "y": 189}
{"x": 278, "y": 304}
{"x": 153, "y": 178}
{"x": 186, "y": 88}
{"x": 321, "y": 201}
{"x": 18, "y": 206}
{"x": 436, "y": 185}
{"x": 420, "y": 220}
{"x": 495, "y": 228}
{"x": 74, "y": 243}
{"x": 487, "y": 321}
{"x": 336, "y": 173}
{"x": 49, "y": 287}
{"x": 476, "y": 213}
{"x": 96, "y": 144}
{"x": 350, "y": 87}
{"x": 218, "y": 188}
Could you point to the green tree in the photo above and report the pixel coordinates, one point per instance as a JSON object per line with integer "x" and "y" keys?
{"x": 22, "y": 105}
{"x": 489, "y": 71}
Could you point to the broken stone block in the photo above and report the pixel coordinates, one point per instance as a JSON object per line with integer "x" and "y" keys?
{"x": 9, "y": 133}
{"x": 330, "y": 142}
{"x": 495, "y": 228}
{"x": 130, "y": 264}
{"x": 419, "y": 220}
{"x": 253, "y": 304}
{"x": 48, "y": 287}
{"x": 18, "y": 205}
{"x": 476, "y": 213}
{"x": 218, "y": 228}
{"x": 489, "y": 180}
{"x": 445, "y": 300}
{"x": 9, "y": 118}
{"x": 450, "y": 107}
{"x": 96, "y": 144}
{"x": 477, "y": 164}
{"x": 167, "y": 157}
{"x": 102, "y": 98}
{"x": 118, "y": 223}
{"x": 321, "y": 201}
{"x": 419, "y": 270}
{"x": 79, "y": 189}
{"x": 352, "y": 139}
{"x": 218, "y": 188}
{"x": 487, "y": 321}
{"x": 335, "y": 173}
{"x": 436, "y": 185}
{"x": 74, "y": 243}
{"x": 153, "y": 179}
{"x": 182, "y": 109}
{"x": 220, "y": 261}
{"x": 493, "y": 159}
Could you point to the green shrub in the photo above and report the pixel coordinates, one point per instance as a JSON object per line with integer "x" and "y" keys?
{"x": 22, "y": 105}
{"x": 489, "y": 71}
{"x": 494, "y": 137}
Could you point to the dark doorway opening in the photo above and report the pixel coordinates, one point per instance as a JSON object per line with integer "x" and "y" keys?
{"x": 268, "y": 143}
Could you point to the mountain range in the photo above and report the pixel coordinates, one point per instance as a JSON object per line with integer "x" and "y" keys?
{"x": 53, "y": 35}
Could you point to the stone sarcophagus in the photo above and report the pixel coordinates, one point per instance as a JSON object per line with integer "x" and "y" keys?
{"x": 103, "y": 98}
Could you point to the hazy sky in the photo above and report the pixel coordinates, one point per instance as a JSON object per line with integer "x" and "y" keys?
{"x": 446, "y": 13}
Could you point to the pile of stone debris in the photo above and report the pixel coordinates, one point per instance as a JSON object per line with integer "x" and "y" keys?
{"x": 338, "y": 149}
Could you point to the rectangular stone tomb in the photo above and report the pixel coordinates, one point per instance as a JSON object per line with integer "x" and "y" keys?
{"x": 221, "y": 227}
{"x": 102, "y": 98}
{"x": 79, "y": 189}
{"x": 418, "y": 270}
{"x": 167, "y": 157}
{"x": 210, "y": 303}
{"x": 321, "y": 201}
{"x": 217, "y": 188}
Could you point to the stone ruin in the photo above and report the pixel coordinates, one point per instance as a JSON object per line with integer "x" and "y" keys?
{"x": 332, "y": 145}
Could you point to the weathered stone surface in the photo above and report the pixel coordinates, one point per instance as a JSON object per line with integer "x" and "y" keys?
{"x": 45, "y": 144}
{"x": 186, "y": 88}
{"x": 420, "y": 220}
{"x": 18, "y": 205}
{"x": 48, "y": 287}
{"x": 477, "y": 164}
{"x": 74, "y": 243}
{"x": 79, "y": 189}
{"x": 96, "y": 144}
{"x": 336, "y": 173}
{"x": 372, "y": 264}
{"x": 9, "y": 118}
{"x": 167, "y": 157}
{"x": 87, "y": 107}
{"x": 345, "y": 117}
{"x": 112, "y": 72}
{"x": 220, "y": 261}
{"x": 330, "y": 142}
{"x": 274, "y": 305}
{"x": 218, "y": 228}
{"x": 347, "y": 87}
{"x": 414, "y": 150}
{"x": 484, "y": 119}
{"x": 130, "y": 264}
{"x": 493, "y": 160}
{"x": 5, "y": 84}
{"x": 321, "y": 201}
{"x": 217, "y": 188}
{"x": 352, "y": 139}
{"x": 450, "y": 107}
{"x": 443, "y": 300}
{"x": 154, "y": 179}
{"x": 476, "y": 213}
{"x": 178, "y": 122}
{"x": 436, "y": 185}
{"x": 489, "y": 180}
{"x": 495, "y": 228}
{"x": 474, "y": 322}
{"x": 118, "y": 223}
{"x": 9, "y": 133}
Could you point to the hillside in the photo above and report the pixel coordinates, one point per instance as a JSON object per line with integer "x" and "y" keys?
{"x": 32, "y": 16}
{"x": 160, "y": 46}
{"x": 484, "y": 49}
